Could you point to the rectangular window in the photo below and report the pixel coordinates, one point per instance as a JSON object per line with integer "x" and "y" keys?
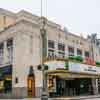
{"x": 10, "y": 49}
{"x": 61, "y": 50}
{"x": 51, "y": 44}
{"x": 70, "y": 51}
{"x": 51, "y": 53}
{"x": 87, "y": 54}
{"x": 1, "y": 52}
{"x": 61, "y": 47}
{"x": 51, "y": 47}
{"x": 79, "y": 52}
{"x": 61, "y": 54}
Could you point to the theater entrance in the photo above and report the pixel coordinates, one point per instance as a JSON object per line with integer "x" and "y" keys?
{"x": 73, "y": 87}
{"x": 70, "y": 84}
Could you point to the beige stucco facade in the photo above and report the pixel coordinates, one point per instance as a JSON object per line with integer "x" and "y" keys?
{"x": 24, "y": 28}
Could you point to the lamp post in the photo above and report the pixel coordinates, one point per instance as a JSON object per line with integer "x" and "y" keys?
{"x": 43, "y": 67}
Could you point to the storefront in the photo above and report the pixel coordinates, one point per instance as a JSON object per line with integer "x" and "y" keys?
{"x": 66, "y": 78}
{"x": 6, "y": 79}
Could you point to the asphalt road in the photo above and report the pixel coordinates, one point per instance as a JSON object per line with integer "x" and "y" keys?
{"x": 54, "y": 99}
{"x": 51, "y": 99}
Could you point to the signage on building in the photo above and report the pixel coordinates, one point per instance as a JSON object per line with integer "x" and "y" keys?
{"x": 78, "y": 67}
{"x": 73, "y": 67}
{"x": 53, "y": 65}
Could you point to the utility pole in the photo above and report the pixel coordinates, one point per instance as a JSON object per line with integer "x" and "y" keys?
{"x": 44, "y": 95}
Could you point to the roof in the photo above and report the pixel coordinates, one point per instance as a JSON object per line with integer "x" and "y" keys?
{"x": 33, "y": 17}
{"x": 7, "y": 13}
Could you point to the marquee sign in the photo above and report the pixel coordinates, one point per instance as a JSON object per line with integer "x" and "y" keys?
{"x": 77, "y": 67}
{"x": 53, "y": 65}
{"x": 73, "y": 67}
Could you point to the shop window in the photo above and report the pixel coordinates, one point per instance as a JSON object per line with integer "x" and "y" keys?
{"x": 87, "y": 54}
{"x": 79, "y": 52}
{"x": 50, "y": 44}
{"x": 71, "y": 51}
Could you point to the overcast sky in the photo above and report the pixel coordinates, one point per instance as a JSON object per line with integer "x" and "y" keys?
{"x": 79, "y": 16}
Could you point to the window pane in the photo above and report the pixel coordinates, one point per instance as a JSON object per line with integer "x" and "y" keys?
{"x": 87, "y": 54}
{"x": 79, "y": 52}
{"x": 71, "y": 51}
{"x": 9, "y": 42}
{"x": 51, "y": 53}
{"x": 61, "y": 54}
{"x": 61, "y": 47}
{"x": 50, "y": 44}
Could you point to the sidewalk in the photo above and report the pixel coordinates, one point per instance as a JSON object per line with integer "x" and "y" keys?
{"x": 62, "y": 98}
{"x": 69, "y": 98}
{"x": 77, "y": 98}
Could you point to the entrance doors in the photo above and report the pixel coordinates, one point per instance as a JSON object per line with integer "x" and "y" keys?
{"x": 65, "y": 87}
{"x": 60, "y": 87}
{"x": 7, "y": 86}
{"x": 85, "y": 86}
{"x": 73, "y": 87}
{"x": 31, "y": 86}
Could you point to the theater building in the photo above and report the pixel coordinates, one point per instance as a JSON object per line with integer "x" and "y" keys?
{"x": 20, "y": 54}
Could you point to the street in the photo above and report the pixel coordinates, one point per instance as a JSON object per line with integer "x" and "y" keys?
{"x": 55, "y": 99}
{"x": 93, "y": 99}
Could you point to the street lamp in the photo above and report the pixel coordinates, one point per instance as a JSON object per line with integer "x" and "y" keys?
{"x": 42, "y": 67}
